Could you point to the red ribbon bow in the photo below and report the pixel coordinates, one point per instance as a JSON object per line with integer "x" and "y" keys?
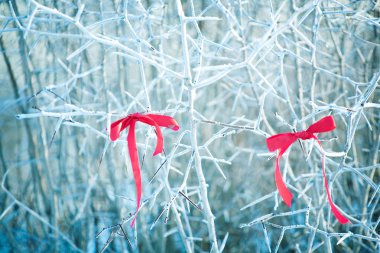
{"x": 283, "y": 141}
{"x": 154, "y": 120}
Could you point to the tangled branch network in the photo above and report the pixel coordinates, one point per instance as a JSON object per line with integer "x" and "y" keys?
{"x": 232, "y": 73}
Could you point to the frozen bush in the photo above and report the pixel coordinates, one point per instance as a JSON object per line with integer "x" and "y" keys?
{"x": 232, "y": 73}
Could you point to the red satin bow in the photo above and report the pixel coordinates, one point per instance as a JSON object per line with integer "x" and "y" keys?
{"x": 154, "y": 120}
{"x": 283, "y": 141}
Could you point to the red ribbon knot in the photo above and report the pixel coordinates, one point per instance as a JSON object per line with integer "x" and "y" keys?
{"x": 282, "y": 142}
{"x": 304, "y": 135}
{"x": 154, "y": 120}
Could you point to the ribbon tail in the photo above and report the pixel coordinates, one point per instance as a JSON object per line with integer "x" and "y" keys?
{"x": 284, "y": 192}
{"x": 341, "y": 218}
{"x": 135, "y": 166}
{"x": 160, "y": 140}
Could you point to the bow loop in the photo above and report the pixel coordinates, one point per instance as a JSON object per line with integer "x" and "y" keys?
{"x": 117, "y": 127}
{"x": 280, "y": 141}
{"x": 164, "y": 121}
{"x": 325, "y": 124}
